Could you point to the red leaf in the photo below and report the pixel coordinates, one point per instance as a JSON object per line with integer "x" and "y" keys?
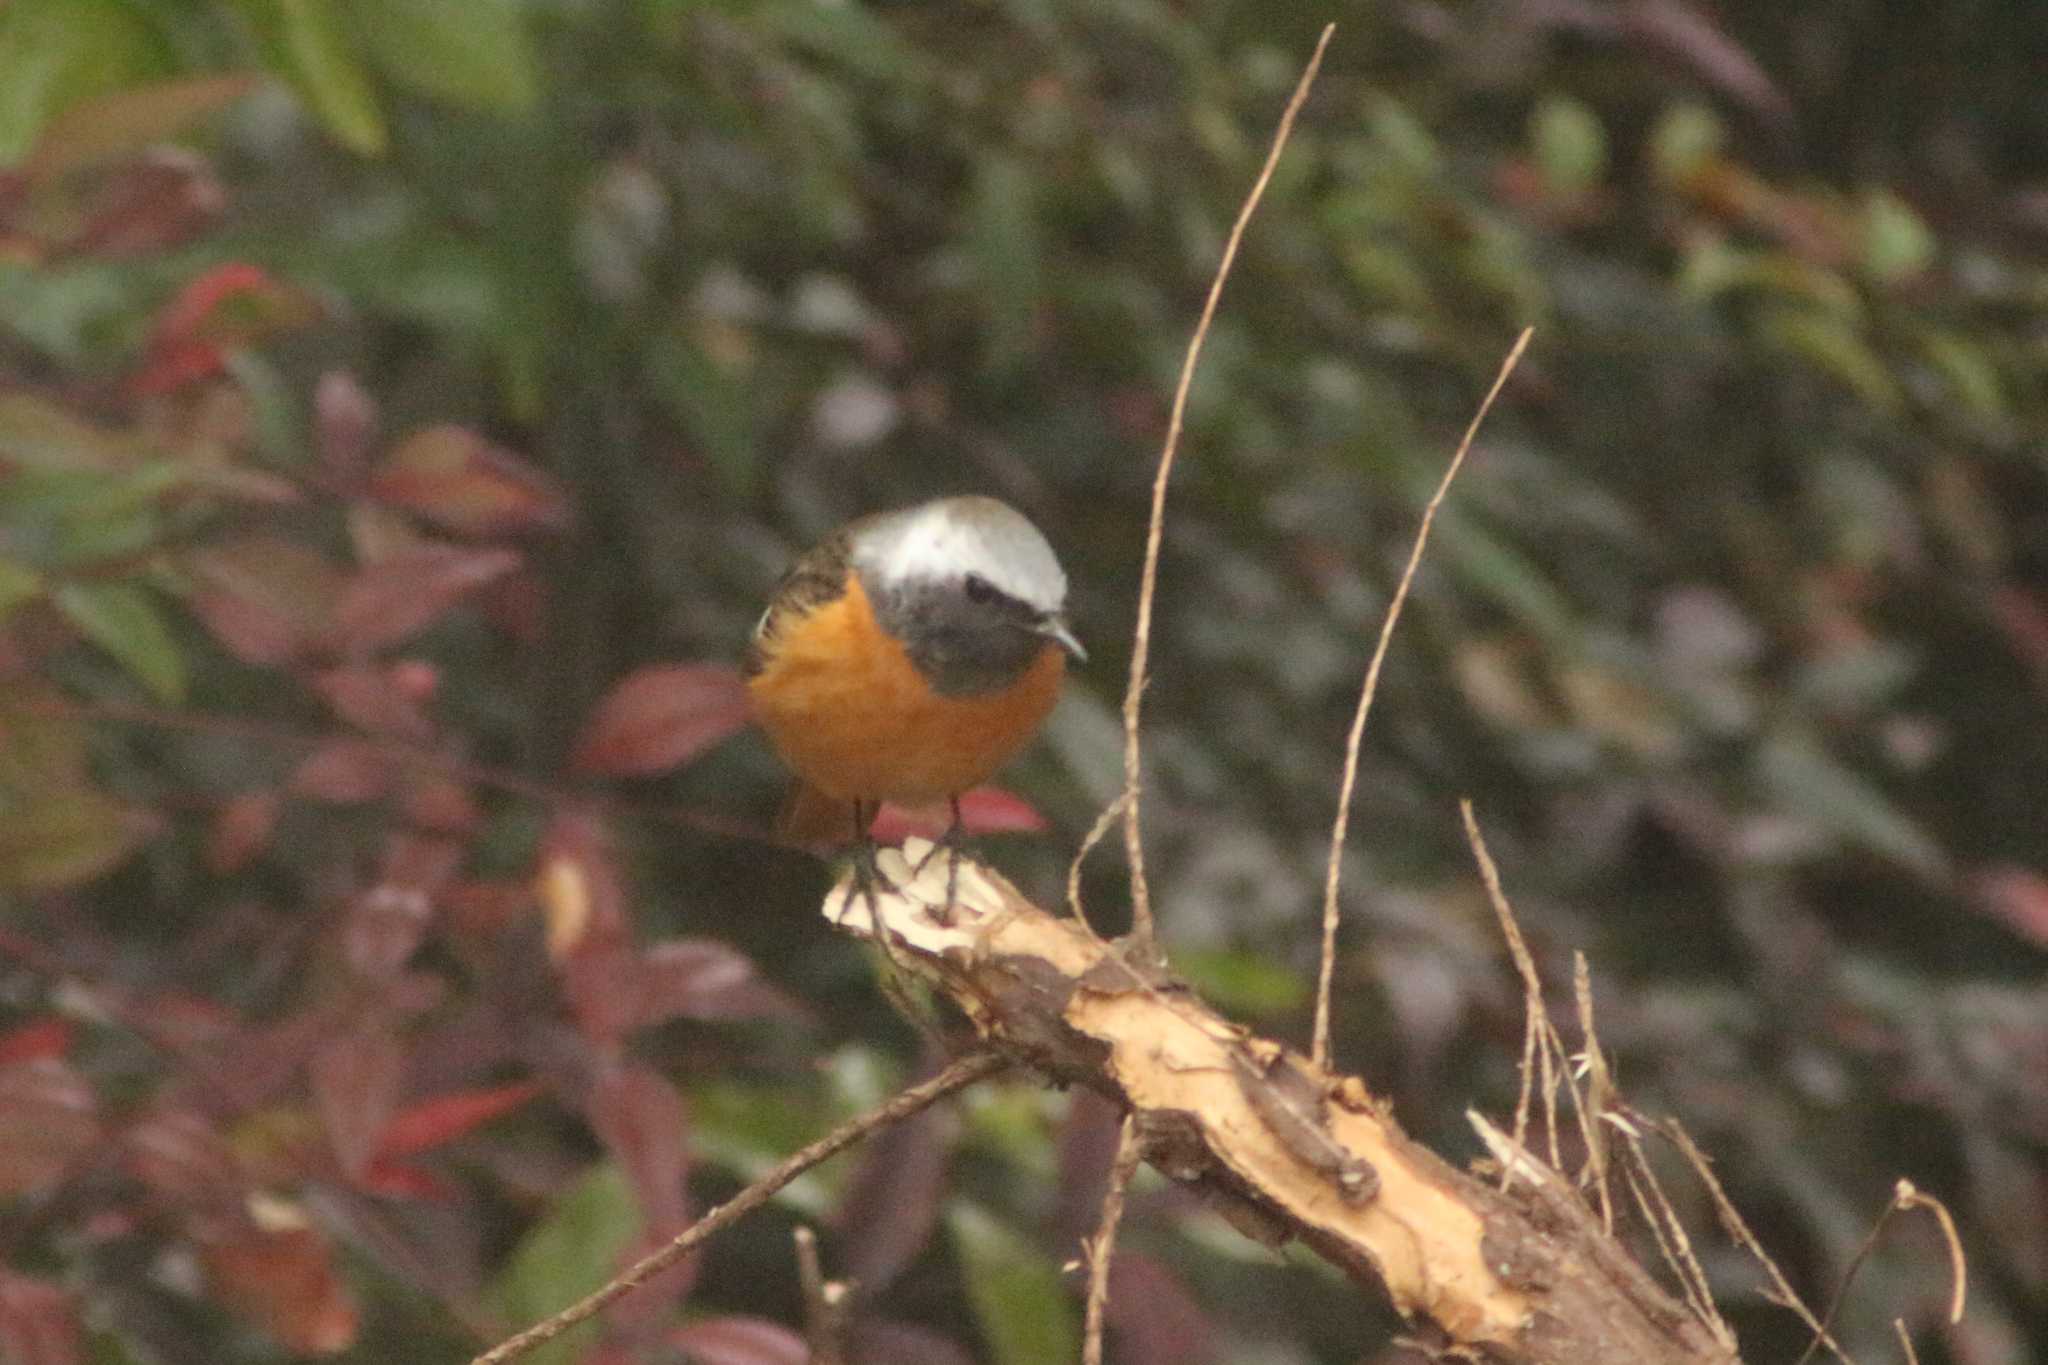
{"x": 886, "y": 1341}
{"x": 396, "y": 598}
{"x": 892, "y": 1204}
{"x": 38, "y": 1323}
{"x": 438, "y": 803}
{"x": 345, "y": 771}
{"x": 386, "y": 921}
{"x": 283, "y": 1279}
{"x": 438, "y": 1121}
{"x": 639, "y": 1118}
{"x": 372, "y": 698}
{"x": 229, "y": 306}
{"x": 48, "y": 1119}
{"x": 251, "y": 632}
{"x": 481, "y": 910}
{"x": 241, "y": 829}
{"x": 1157, "y": 1320}
{"x": 263, "y": 597}
{"x": 463, "y": 483}
{"x": 403, "y": 1180}
{"x": 39, "y": 1038}
{"x": 2018, "y": 897}
{"x": 130, "y": 119}
{"x": 693, "y": 978}
{"x": 738, "y": 1340}
{"x": 355, "y": 1087}
{"x": 660, "y": 717}
{"x": 161, "y": 199}
{"x": 984, "y": 810}
{"x": 182, "y": 1158}
{"x": 581, "y": 887}
{"x": 344, "y": 425}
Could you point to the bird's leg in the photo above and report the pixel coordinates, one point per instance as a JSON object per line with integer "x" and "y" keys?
{"x": 867, "y": 872}
{"x": 949, "y": 841}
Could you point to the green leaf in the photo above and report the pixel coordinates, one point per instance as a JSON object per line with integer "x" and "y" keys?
{"x": 45, "y": 749}
{"x": 54, "y": 53}
{"x": 1831, "y": 346}
{"x": 309, "y": 42}
{"x": 1240, "y": 982}
{"x": 67, "y": 312}
{"x": 71, "y": 517}
{"x": 1002, "y": 236}
{"x": 18, "y": 584}
{"x": 710, "y": 395}
{"x": 474, "y": 53}
{"x": 124, "y": 620}
{"x": 849, "y": 35}
{"x": 1971, "y": 376}
{"x": 1685, "y": 140}
{"x": 38, "y": 434}
{"x": 1506, "y": 575}
{"x": 65, "y": 837}
{"x": 1401, "y": 137}
{"x": 126, "y": 122}
{"x": 1896, "y": 244}
{"x": 1570, "y": 144}
{"x": 571, "y": 1252}
{"x": 1803, "y": 780}
{"x": 1025, "y": 1315}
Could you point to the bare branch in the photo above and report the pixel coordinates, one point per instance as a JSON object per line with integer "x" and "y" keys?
{"x": 1148, "y": 585}
{"x": 1285, "y": 1148}
{"x": 1540, "y": 1043}
{"x": 825, "y": 1302}
{"x": 1904, "y": 1196}
{"x": 1102, "y": 1246}
{"x": 966, "y": 1071}
{"x": 1321, "y": 1048}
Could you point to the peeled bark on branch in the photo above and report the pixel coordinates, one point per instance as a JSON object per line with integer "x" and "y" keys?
{"x": 1287, "y": 1150}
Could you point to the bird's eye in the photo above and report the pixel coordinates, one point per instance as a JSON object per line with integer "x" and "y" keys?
{"x": 980, "y": 590}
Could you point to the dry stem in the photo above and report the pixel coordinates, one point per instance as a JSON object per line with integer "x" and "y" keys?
{"x": 961, "y": 1074}
{"x": 1102, "y": 1247}
{"x": 1320, "y": 1051}
{"x": 825, "y": 1302}
{"x": 1148, "y": 585}
{"x": 1904, "y": 1196}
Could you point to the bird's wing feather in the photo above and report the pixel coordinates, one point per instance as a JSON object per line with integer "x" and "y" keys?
{"x": 817, "y": 577}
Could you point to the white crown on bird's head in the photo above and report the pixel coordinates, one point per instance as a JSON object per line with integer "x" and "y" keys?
{"x": 953, "y": 539}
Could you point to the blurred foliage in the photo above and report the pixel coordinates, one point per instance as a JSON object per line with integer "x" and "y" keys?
{"x": 408, "y": 402}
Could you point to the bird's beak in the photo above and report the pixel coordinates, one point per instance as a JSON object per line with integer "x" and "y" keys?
{"x": 1054, "y": 628}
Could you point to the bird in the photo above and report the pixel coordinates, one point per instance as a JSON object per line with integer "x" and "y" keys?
{"x": 906, "y": 657}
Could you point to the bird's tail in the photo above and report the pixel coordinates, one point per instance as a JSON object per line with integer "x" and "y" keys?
{"x": 811, "y": 819}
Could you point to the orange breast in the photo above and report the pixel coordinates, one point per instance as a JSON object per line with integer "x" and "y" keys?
{"x": 848, "y": 711}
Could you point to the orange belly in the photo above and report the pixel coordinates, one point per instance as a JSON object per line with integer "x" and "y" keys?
{"x": 848, "y": 711}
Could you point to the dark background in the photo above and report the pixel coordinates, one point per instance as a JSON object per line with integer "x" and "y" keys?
{"x": 386, "y": 383}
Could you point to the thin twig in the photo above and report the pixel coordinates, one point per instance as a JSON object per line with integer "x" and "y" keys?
{"x": 962, "y": 1073}
{"x": 1599, "y": 1089}
{"x": 1321, "y": 1051}
{"x": 824, "y": 1302}
{"x": 1538, "y": 1034}
{"x": 1148, "y": 585}
{"x": 1904, "y": 1196}
{"x": 1739, "y": 1230}
{"x": 279, "y": 734}
{"x": 1096, "y": 833}
{"x": 1959, "y": 1266}
{"x": 1102, "y": 1246}
{"x": 1674, "y": 1243}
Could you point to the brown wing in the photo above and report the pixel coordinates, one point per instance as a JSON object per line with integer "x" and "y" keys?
{"x": 817, "y": 577}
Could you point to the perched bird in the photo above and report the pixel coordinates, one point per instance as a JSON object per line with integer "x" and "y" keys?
{"x": 905, "y": 658}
